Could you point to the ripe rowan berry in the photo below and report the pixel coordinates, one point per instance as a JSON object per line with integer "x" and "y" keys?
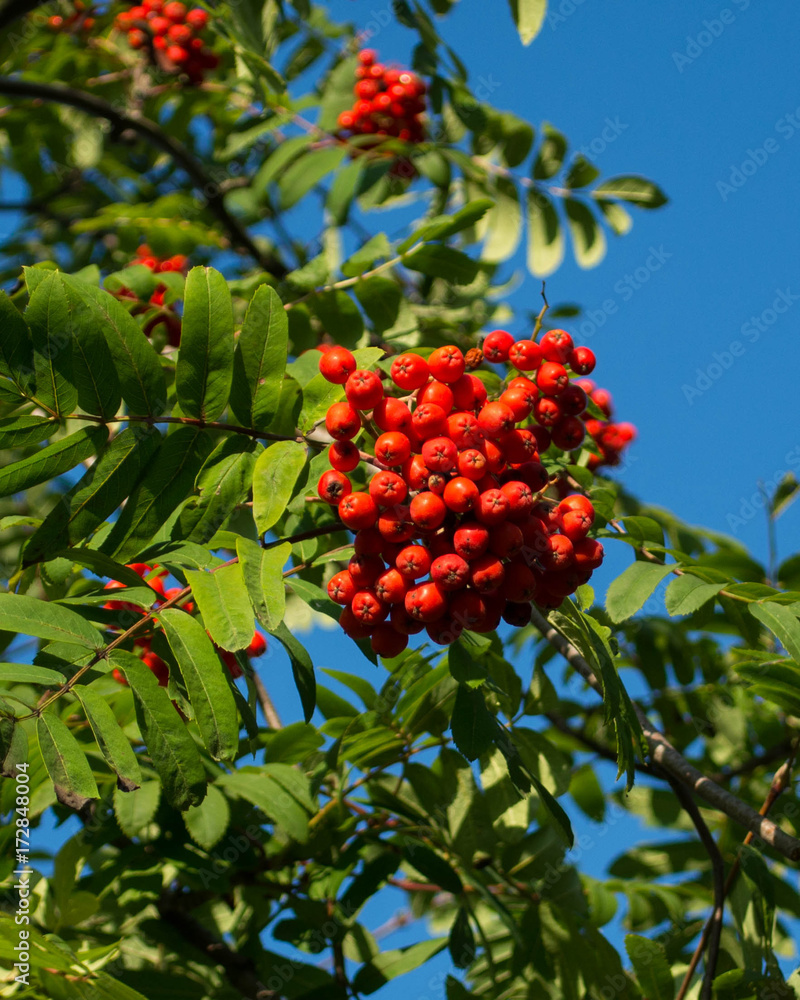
{"x": 460, "y": 494}
{"x": 352, "y": 626}
{"x": 438, "y": 393}
{"x": 364, "y": 389}
{"x": 505, "y": 540}
{"x": 342, "y": 421}
{"x": 470, "y": 540}
{"x": 413, "y": 561}
{"x": 463, "y": 390}
{"x": 582, "y": 360}
{"x": 495, "y": 420}
{"x": 369, "y": 542}
{"x": 525, "y": 355}
{"x": 428, "y": 511}
{"x": 451, "y": 571}
{"x": 392, "y": 415}
{"x": 518, "y": 615}
{"x": 520, "y": 499}
{"x": 573, "y": 400}
{"x": 257, "y": 647}
{"x": 395, "y": 524}
{"x": 333, "y": 486}
{"x": 588, "y": 553}
{"x": 486, "y": 573}
{"x": 519, "y": 401}
{"x": 602, "y": 399}
{"x": 367, "y": 609}
{"x": 342, "y": 588}
{"x": 387, "y": 642}
{"x": 343, "y": 456}
{"x": 472, "y": 464}
{"x": 559, "y": 552}
{"x": 447, "y": 363}
{"x": 519, "y": 446}
{"x": 391, "y": 586}
{"x": 365, "y": 569}
{"x": 556, "y": 346}
{"x": 492, "y": 507}
{"x": 416, "y": 472}
{"x": 552, "y": 378}
{"x": 402, "y": 622}
{"x": 337, "y": 365}
{"x": 568, "y": 433}
{"x": 426, "y": 602}
{"x": 440, "y": 454}
{"x": 429, "y": 420}
{"x": 387, "y": 489}
{"x": 575, "y": 524}
{"x": 464, "y": 430}
{"x": 410, "y": 371}
{"x": 496, "y": 346}
{"x": 358, "y": 510}
{"x": 467, "y": 607}
{"x": 392, "y": 448}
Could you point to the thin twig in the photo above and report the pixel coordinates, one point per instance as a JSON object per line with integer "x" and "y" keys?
{"x": 156, "y": 136}
{"x": 266, "y": 703}
{"x": 670, "y": 760}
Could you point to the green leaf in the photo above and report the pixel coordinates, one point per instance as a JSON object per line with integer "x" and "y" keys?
{"x": 222, "y": 483}
{"x": 444, "y": 226}
{"x": 473, "y": 725}
{"x": 787, "y": 492}
{"x": 207, "y": 823}
{"x": 136, "y": 810}
{"x": 141, "y": 377}
{"x": 343, "y": 189}
{"x": 649, "y": 960}
{"x": 339, "y": 315}
{"x": 262, "y": 570}
{"x": 545, "y": 236}
{"x": 588, "y": 237}
{"x": 307, "y": 171}
{"x": 93, "y": 366}
{"x": 279, "y": 791}
{"x": 65, "y": 761}
{"x": 208, "y": 688}
{"x": 172, "y": 750}
{"x": 52, "y": 460}
{"x": 29, "y": 616}
{"x": 23, "y": 431}
{"x": 461, "y": 942}
{"x": 205, "y": 364}
{"x": 302, "y": 669}
{"x": 113, "y": 743}
{"x": 504, "y": 223}
{"x": 443, "y": 262}
{"x": 276, "y": 473}
{"x": 529, "y": 17}
{"x": 586, "y": 790}
{"x": 630, "y": 590}
{"x": 224, "y": 604}
{"x": 27, "y": 673}
{"x": 782, "y": 622}
{"x": 260, "y": 360}
{"x": 389, "y": 965}
{"x": 47, "y": 317}
{"x": 686, "y": 594}
{"x": 457, "y": 991}
{"x": 83, "y": 508}
{"x": 552, "y": 151}
{"x": 16, "y": 348}
{"x": 617, "y": 218}
{"x": 581, "y": 173}
{"x": 167, "y": 482}
{"x": 636, "y": 190}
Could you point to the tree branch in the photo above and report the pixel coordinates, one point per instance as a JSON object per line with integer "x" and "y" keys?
{"x": 673, "y": 763}
{"x": 152, "y": 133}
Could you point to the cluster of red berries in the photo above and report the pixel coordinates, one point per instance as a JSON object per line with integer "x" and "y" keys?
{"x": 79, "y": 20}
{"x": 171, "y": 34}
{"x": 389, "y": 102}
{"x": 154, "y": 578}
{"x": 458, "y": 492}
{"x": 611, "y": 437}
{"x": 166, "y": 318}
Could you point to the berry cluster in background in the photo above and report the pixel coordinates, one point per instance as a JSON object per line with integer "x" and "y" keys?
{"x": 389, "y": 101}
{"x": 165, "y": 324}
{"x": 171, "y": 34}
{"x": 154, "y": 576}
{"x": 80, "y": 19}
{"x": 457, "y": 527}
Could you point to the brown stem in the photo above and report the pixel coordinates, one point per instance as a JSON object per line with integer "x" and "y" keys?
{"x": 156, "y": 136}
{"x": 540, "y": 318}
{"x": 266, "y": 703}
{"x": 667, "y": 757}
{"x": 214, "y": 425}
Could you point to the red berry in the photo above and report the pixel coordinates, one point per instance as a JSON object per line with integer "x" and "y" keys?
{"x": 520, "y": 583}
{"x": 447, "y": 363}
{"x": 427, "y": 510}
{"x": 559, "y": 553}
{"x": 343, "y": 456}
{"x": 365, "y": 570}
{"x": 337, "y": 365}
{"x": 438, "y": 393}
{"x": 492, "y": 507}
{"x": 395, "y": 524}
{"x": 342, "y": 588}
{"x": 472, "y": 464}
{"x": 552, "y": 378}
{"x": 333, "y": 486}
{"x": 392, "y": 448}
{"x": 465, "y": 430}
{"x": 387, "y": 489}
{"x": 416, "y": 472}
{"x": 451, "y": 571}
{"x": 426, "y": 603}
{"x": 387, "y": 642}
{"x": 573, "y": 400}
{"x": 391, "y": 586}
{"x": 364, "y": 389}
{"x": 410, "y": 371}
{"x": 496, "y": 419}
{"x": 413, "y": 561}
{"x": 367, "y": 57}
{"x": 402, "y": 622}
{"x": 556, "y": 346}
{"x": 342, "y": 421}
{"x": 461, "y": 494}
{"x": 519, "y": 401}
{"x": 367, "y": 609}
{"x": 392, "y": 415}
{"x": 486, "y": 574}
{"x": 588, "y": 553}
{"x": 368, "y": 542}
{"x": 471, "y": 540}
{"x": 464, "y": 391}
{"x": 497, "y": 345}
{"x": 505, "y": 540}
{"x": 568, "y": 433}
{"x": 520, "y": 499}
{"x": 582, "y": 361}
{"x": 547, "y": 411}
{"x": 576, "y": 524}
{"x": 197, "y": 18}
{"x": 525, "y": 355}
{"x": 358, "y": 510}
{"x": 429, "y": 420}
{"x": 440, "y": 454}
{"x": 258, "y": 644}
{"x": 352, "y": 626}
{"x": 602, "y": 398}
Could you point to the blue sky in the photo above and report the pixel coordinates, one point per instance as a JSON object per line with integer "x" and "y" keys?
{"x": 700, "y": 98}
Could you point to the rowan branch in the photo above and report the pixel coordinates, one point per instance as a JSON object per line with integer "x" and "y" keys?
{"x": 672, "y": 762}
{"x": 156, "y": 136}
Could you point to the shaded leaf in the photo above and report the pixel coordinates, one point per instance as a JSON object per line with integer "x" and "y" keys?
{"x": 260, "y": 360}
{"x": 224, "y": 604}
{"x": 52, "y": 460}
{"x": 205, "y": 364}
{"x": 65, "y": 761}
{"x": 276, "y": 473}
{"x": 113, "y": 743}
{"x": 262, "y": 570}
